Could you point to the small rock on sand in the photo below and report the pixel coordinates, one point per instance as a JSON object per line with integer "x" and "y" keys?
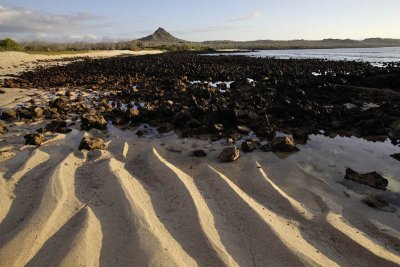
{"x": 284, "y": 144}
{"x": 249, "y": 145}
{"x": 91, "y": 143}
{"x": 38, "y": 112}
{"x": 378, "y": 202}
{"x": 3, "y": 128}
{"x": 35, "y": 139}
{"x": 165, "y": 128}
{"x": 372, "y": 179}
{"x": 229, "y": 154}
{"x": 96, "y": 121}
{"x": 8, "y": 115}
{"x": 199, "y": 153}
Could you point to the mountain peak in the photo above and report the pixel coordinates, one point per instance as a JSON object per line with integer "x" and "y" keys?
{"x": 161, "y": 36}
{"x": 160, "y": 30}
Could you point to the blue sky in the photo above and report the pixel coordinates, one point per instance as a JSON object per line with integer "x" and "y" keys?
{"x": 71, "y": 20}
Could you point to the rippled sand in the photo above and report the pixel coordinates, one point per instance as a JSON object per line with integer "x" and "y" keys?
{"x": 138, "y": 203}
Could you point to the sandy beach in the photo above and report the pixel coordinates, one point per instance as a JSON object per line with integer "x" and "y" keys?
{"x": 15, "y": 62}
{"x": 146, "y": 201}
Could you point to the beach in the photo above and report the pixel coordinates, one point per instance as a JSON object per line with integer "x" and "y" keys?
{"x": 145, "y": 200}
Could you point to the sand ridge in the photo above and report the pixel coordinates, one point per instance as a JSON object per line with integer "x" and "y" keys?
{"x": 145, "y": 201}
{"x": 139, "y": 204}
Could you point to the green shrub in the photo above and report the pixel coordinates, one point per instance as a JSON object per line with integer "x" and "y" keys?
{"x": 9, "y": 44}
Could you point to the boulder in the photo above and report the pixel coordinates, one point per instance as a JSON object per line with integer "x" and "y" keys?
{"x": 35, "y": 139}
{"x": 284, "y": 144}
{"x": 165, "y": 127}
{"x": 60, "y": 103}
{"x": 38, "y": 112}
{"x": 235, "y": 136}
{"x": 91, "y": 143}
{"x": 133, "y": 113}
{"x": 243, "y": 129}
{"x": 58, "y": 126}
{"x": 229, "y": 154}
{"x": 3, "y": 128}
{"x": 249, "y": 145}
{"x": 217, "y": 128}
{"x": 372, "y": 179}
{"x": 8, "y": 115}
{"x": 378, "y": 202}
{"x": 90, "y": 121}
{"x": 199, "y": 153}
{"x": 266, "y": 148}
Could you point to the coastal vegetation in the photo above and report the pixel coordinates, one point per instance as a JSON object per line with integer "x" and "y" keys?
{"x": 163, "y": 40}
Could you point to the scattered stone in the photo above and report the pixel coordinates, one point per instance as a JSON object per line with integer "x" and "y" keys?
{"x": 91, "y": 143}
{"x": 229, "y": 154}
{"x": 235, "y": 136}
{"x": 90, "y": 121}
{"x": 243, "y": 129}
{"x": 284, "y": 144}
{"x": 266, "y": 148}
{"x": 58, "y": 126}
{"x": 3, "y": 128}
{"x": 199, "y": 153}
{"x": 396, "y": 156}
{"x": 8, "y": 115}
{"x": 283, "y": 95}
{"x": 35, "y": 139}
{"x": 139, "y": 133}
{"x": 378, "y": 202}
{"x": 372, "y": 179}
{"x": 38, "y": 112}
{"x": 165, "y": 128}
{"x": 133, "y": 113}
{"x": 217, "y": 128}
{"x": 249, "y": 145}
{"x": 60, "y": 103}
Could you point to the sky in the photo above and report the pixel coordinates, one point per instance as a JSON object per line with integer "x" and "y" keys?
{"x": 239, "y": 20}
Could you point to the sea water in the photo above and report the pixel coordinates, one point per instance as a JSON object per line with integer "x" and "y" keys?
{"x": 373, "y": 55}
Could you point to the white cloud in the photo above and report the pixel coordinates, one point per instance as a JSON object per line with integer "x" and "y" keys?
{"x": 246, "y": 17}
{"x": 17, "y": 20}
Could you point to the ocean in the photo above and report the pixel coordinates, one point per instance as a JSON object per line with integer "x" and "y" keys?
{"x": 373, "y": 55}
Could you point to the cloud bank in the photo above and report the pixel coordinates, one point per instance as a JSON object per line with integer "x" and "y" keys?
{"x": 24, "y": 24}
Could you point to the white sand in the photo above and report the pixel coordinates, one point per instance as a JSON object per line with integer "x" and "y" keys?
{"x": 15, "y": 62}
{"x": 139, "y": 204}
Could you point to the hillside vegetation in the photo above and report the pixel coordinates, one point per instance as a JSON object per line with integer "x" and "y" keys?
{"x": 161, "y": 39}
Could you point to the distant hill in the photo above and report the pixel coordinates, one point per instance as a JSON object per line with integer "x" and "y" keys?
{"x": 161, "y": 39}
{"x": 161, "y": 36}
